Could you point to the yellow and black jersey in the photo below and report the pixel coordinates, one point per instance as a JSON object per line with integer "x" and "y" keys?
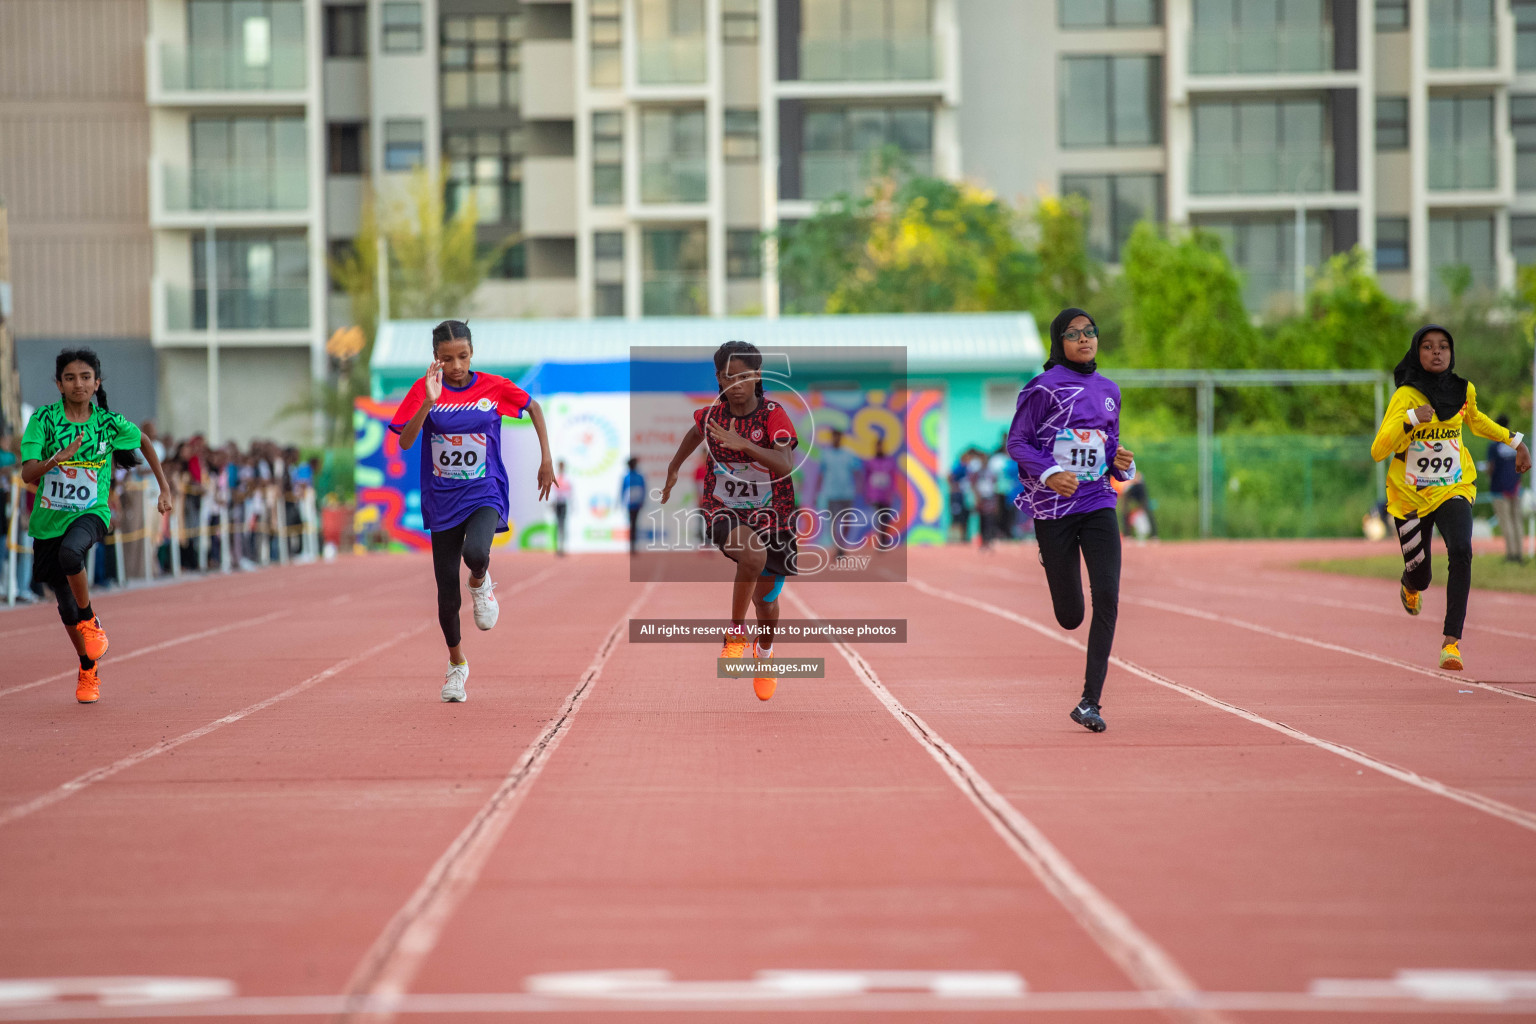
{"x": 1429, "y": 461}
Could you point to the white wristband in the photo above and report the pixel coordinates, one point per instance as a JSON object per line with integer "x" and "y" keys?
{"x": 1516, "y": 440}
{"x": 1050, "y": 473}
{"x": 1413, "y": 417}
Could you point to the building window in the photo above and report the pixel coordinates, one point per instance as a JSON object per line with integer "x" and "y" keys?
{"x": 841, "y": 144}
{"x": 1263, "y": 250}
{"x": 670, "y": 46}
{"x": 743, "y": 254}
{"x": 481, "y": 60}
{"x": 1522, "y": 124}
{"x": 488, "y": 167}
{"x": 608, "y": 273}
{"x": 738, "y": 21}
{"x": 1111, "y": 101}
{"x": 1462, "y": 154}
{"x": 1109, "y": 13}
{"x": 1264, "y": 145}
{"x": 607, "y": 71}
{"x": 1116, "y": 204}
{"x": 1391, "y": 15}
{"x": 607, "y": 158}
{"x": 1525, "y": 34}
{"x": 404, "y": 145}
{"x": 674, "y": 263}
{"x": 511, "y": 265}
{"x": 1391, "y": 243}
{"x": 866, "y": 40}
{"x": 1461, "y": 255}
{"x": 257, "y": 44}
{"x": 1241, "y": 37}
{"x": 346, "y": 148}
{"x": 243, "y": 163}
{"x": 1391, "y": 123}
{"x": 346, "y": 31}
{"x": 673, "y": 167}
{"x": 402, "y": 27}
{"x": 263, "y": 281}
{"x": 1522, "y": 240}
{"x": 1462, "y": 34}
{"x": 741, "y": 142}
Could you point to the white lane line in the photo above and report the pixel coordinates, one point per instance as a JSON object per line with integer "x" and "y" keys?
{"x": 25, "y": 629}
{"x": 153, "y": 648}
{"x": 1487, "y": 805}
{"x": 80, "y": 782}
{"x": 391, "y": 964}
{"x": 1142, "y": 959}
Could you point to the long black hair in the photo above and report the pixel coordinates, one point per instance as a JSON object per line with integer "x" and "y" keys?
{"x": 451, "y": 330}
{"x": 746, "y": 352}
{"x": 124, "y": 459}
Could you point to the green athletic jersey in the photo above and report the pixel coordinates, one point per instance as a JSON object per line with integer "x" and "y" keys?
{"x": 78, "y": 486}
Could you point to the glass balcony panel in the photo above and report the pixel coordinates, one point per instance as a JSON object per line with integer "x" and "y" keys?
{"x": 671, "y": 61}
{"x": 868, "y": 59}
{"x": 1472, "y": 167}
{"x": 1240, "y": 170}
{"x": 674, "y": 293}
{"x": 824, "y": 175}
{"x": 277, "y": 66}
{"x": 676, "y": 180}
{"x": 278, "y": 308}
{"x": 1286, "y": 49}
{"x": 1462, "y": 39}
{"x": 225, "y": 187}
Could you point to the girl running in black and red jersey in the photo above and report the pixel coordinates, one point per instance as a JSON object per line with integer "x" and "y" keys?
{"x": 748, "y": 498}
{"x": 68, "y": 450}
{"x": 464, "y": 500}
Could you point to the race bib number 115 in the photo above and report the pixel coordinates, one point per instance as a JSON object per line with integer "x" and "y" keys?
{"x": 1081, "y": 452}
{"x": 458, "y": 456}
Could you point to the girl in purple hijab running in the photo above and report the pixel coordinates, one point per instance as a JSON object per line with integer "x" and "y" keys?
{"x": 1065, "y": 437}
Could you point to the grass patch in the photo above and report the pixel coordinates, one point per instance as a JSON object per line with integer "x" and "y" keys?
{"x": 1489, "y": 571}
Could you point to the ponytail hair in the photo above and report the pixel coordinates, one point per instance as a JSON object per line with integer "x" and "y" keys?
{"x": 451, "y": 330}
{"x": 744, "y": 351}
{"x": 122, "y": 459}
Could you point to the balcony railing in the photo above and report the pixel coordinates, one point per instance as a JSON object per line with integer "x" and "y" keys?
{"x": 674, "y": 293}
{"x": 1462, "y": 45}
{"x": 284, "y": 187}
{"x": 875, "y": 59}
{"x": 824, "y": 174}
{"x": 1280, "y": 50}
{"x": 282, "y": 308}
{"x": 671, "y": 61}
{"x": 678, "y": 180}
{"x": 278, "y": 67}
{"x": 1472, "y": 167}
{"x": 1230, "y": 171}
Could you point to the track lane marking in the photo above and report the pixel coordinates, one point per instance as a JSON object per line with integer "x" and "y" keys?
{"x": 1143, "y": 960}
{"x": 1496, "y": 808}
{"x": 379, "y": 983}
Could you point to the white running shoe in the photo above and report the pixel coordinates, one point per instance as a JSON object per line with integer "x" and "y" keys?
{"x": 487, "y": 611}
{"x": 453, "y": 686}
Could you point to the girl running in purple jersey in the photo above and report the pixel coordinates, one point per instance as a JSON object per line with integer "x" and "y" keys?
{"x": 1065, "y": 437}
{"x": 464, "y": 499}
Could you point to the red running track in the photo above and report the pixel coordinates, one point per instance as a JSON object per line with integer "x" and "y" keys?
{"x": 1294, "y": 815}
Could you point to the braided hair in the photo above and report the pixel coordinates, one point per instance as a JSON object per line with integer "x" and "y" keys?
{"x": 122, "y": 459}
{"x": 744, "y": 351}
{"x": 451, "y": 330}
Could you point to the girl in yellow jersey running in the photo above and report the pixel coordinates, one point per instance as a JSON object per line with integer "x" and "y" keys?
{"x": 1431, "y": 480}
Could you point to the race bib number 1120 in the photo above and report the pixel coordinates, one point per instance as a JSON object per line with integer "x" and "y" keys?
{"x": 68, "y": 488}
{"x": 458, "y": 456}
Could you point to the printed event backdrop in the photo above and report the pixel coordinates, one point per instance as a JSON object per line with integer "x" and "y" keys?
{"x": 589, "y": 432}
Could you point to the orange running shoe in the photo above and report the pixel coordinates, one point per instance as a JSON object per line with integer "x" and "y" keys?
{"x": 1450, "y": 656}
{"x": 94, "y": 637}
{"x": 763, "y": 686}
{"x": 736, "y": 646}
{"x": 1413, "y": 600}
{"x": 88, "y": 687}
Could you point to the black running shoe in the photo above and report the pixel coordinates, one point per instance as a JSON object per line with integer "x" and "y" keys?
{"x": 1086, "y": 714}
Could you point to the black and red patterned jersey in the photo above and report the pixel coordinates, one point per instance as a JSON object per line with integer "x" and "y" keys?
{"x": 738, "y": 483}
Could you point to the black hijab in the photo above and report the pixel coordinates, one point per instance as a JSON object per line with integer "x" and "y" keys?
{"x": 1058, "y": 352}
{"x": 1446, "y": 392}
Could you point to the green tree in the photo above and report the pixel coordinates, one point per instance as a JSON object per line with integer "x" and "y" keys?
{"x": 907, "y": 244}
{"x": 1068, "y": 274}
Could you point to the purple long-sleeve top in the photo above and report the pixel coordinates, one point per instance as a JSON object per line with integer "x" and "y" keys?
{"x": 1066, "y": 422}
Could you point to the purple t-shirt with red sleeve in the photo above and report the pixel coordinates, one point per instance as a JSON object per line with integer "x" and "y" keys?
{"x": 1067, "y": 422}
{"x": 461, "y": 466}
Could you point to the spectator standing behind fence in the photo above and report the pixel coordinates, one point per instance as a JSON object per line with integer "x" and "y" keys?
{"x": 632, "y": 490}
{"x": 881, "y": 482}
{"x": 959, "y": 502}
{"x": 838, "y": 469}
{"x": 1504, "y": 482}
{"x": 562, "y": 505}
{"x": 1005, "y": 478}
{"x": 984, "y": 490}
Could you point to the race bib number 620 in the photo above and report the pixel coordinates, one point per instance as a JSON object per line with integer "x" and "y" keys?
{"x": 458, "y": 456}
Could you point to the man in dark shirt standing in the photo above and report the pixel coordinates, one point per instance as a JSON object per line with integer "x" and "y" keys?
{"x": 1504, "y": 481}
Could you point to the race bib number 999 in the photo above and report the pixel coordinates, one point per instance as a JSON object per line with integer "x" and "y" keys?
{"x": 458, "y": 456}
{"x": 68, "y": 488}
{"x": 1081, "y": 452}
{"x": 743, "y": 485}
{"x": 1433, "y": 463}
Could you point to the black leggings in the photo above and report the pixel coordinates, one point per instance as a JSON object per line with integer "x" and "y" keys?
{"x": 1454, "y": 518}
{"x": 1097, "y": 535}
{"x": 471, "y": 541}
{"x": 56, "y": 559}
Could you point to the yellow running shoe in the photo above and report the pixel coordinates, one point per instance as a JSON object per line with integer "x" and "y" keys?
{"x": 736, "y": 646}
{"x": 88, "y": 686}
{"x": 763, "y": 686}
{"x": 1450, "y": 656}
{"x": 1413, "y": 600}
